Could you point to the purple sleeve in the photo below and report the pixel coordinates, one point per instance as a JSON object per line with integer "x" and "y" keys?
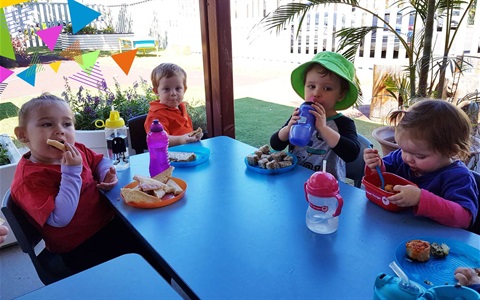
{"x": 102, "y": 168}
{"x": 66, "y": 201}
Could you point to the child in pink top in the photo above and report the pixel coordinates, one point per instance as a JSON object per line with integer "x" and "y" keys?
{"x": 59, "y": 190}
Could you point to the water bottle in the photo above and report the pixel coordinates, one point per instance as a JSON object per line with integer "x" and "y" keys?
{"x": 157, "y": 141}
{"x": 301, "y": 132}
{"x": 325, "y": 203}
{"x": 117, "y": 141}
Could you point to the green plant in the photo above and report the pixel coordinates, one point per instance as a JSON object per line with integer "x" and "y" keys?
{"x": 4, "y": 157}
{"x": 88, "y": 108}
{"x": 196, "y": 110}
{"x": 417, "y": 45}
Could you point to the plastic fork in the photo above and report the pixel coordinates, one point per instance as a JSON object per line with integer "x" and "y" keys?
{"x": 382, "y": 180}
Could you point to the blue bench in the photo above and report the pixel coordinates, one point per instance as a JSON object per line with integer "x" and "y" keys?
{"x": 143, "y": 44}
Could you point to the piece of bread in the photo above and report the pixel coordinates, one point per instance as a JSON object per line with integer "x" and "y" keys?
{"x": 198, "y": 133}
{"x": 181, "y": 156}
{"x": 135, "y": 195}
{"x": 165, "y": 175}
{"x": 418, "y": 250}
{"x": 177, "y": 190}
{"x": 148, "y": 184}
{"x": 56, "y": 144}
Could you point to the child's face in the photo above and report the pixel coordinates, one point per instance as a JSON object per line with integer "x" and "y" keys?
{"x": 171, "y": 90}
{"x": 418, "y": 154}
{"x": 51, "y": 121}
{"x": 326, "y": 90}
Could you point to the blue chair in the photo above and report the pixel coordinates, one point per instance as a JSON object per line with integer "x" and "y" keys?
{"x": 49, "y": 266}
{"x": 355, "y": 169}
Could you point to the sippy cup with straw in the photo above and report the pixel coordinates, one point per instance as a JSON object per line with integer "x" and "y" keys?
{"x": 325, "y": 203}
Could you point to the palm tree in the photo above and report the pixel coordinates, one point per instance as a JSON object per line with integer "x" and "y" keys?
{"x": 418, "y": 48}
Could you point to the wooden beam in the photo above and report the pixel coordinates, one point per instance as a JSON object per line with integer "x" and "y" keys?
{"x": 217, "y": 65}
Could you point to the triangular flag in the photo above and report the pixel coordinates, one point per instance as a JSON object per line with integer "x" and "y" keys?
{"x": 81, "y": 15}
{"x": 73, "y": 51}
{"x": 5, "y": 40}
{"x": 4, "y": 73}
{"x": 88, "y": 61}
{"x": 5, "y": 3}
{"x": 28, "y": 75}
{"x": 124, "y": 60}
{"x": 50, "y": 36}
{"x": 55, "y": 65}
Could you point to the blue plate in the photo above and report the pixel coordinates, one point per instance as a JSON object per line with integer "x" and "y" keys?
{"x": 202, "y": 154}
{"x": 257, "y": 169}
{"x": 438, "y": 271}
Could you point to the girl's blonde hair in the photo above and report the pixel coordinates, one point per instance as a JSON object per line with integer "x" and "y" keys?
{"x": 167, "y": 70}
{"x": 445, "y": 127}
{"x": 38, "y": 103}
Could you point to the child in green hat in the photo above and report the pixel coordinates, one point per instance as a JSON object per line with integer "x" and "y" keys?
{"x": 327, "y": 82}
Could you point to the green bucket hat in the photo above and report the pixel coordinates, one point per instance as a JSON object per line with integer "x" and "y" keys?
{"x": 335, "y": 63}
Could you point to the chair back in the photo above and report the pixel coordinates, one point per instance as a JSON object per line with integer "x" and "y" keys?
{"x": 355, "y": 169}
{"x": 476, "y": 226}
{"x": 49, "y": 266}
{"x": 138, "y": 136}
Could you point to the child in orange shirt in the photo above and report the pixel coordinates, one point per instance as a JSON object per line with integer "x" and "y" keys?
{"x": 169, "y": 84}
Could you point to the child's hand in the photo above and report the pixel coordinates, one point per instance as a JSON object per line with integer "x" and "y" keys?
{"x": 294, "y": 119}
{"x": 320, "y": 116}
{"x": 372, "y": 158}
{"x": 186, "y": 139}
{"x": 466, "y": 276}
{"x": 406, "y": 195}
{"x": 110, "y": 180}
{"x": 71, "y": 156}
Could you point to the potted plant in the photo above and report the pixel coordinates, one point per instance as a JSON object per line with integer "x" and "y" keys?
{"x": 9, "y": 157}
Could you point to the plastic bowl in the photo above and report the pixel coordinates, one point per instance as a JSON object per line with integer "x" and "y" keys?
{"x": 378, "y": 196}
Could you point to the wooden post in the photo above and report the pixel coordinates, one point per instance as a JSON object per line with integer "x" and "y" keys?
{"x": 217, "y": 66}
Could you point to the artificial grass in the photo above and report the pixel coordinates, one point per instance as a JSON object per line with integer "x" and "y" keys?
{"x": 257, "y": 120}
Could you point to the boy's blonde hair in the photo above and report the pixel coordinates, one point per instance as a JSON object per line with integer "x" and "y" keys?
{"x": 445, "y": 127}
{"x": 37, "y": 103}
{"x": 167, "y": 70}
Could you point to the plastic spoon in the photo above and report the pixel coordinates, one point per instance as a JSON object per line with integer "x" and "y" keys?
{"x": 379, "y": 173}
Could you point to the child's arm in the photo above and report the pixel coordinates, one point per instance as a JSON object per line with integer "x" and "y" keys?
{"x": 280, "y": 139}
{"x": 443, "y": 211}
{"x": 66, "y": 201}
{"x": 174, "y": 140}
{"x": 107, "y": 175}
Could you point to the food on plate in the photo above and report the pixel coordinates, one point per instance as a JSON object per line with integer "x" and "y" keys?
{"x": 196, "y": 133}
{"x": 181, "y": 156}
{"x": 152, "y": 189}
{"x": 56, "y": 144}
{"x": 438, "y": 250}
{"x": 418, "y": 250}
{"x": 266, "y": 159}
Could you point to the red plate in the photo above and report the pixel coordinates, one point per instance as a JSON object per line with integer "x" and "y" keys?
{"x": 166, "y": 200}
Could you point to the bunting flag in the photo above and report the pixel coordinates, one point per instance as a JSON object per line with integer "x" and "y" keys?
{"x": 72, "y": 52}
{"x": 3, "y": 86}
{"x": 92, "y": 78}
{"x": 124, "y": 60}
{"x": 28, "y": 75}
{"x": 55, "y": 65}
{"x": 88, "y": 60}
{"x": 6, "y": 48}
{"x": 81, "y": 15}
{"x": 5, "y": 3}
{"x": 50, "y": 36}
{"x": 4, "y": 73}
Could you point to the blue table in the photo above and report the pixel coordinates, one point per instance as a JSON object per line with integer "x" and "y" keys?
{"x": 242, "y": 235}
{"x": 125, "y": 277}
